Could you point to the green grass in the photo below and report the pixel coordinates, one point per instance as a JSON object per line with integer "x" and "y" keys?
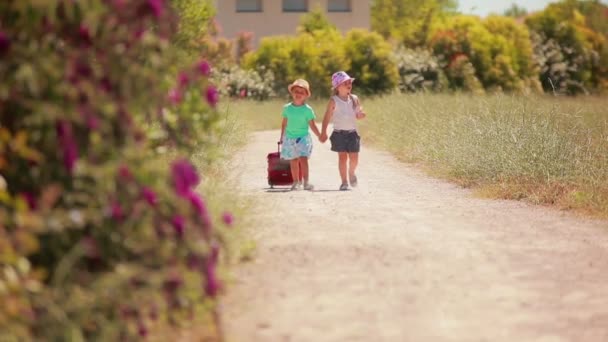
{"x": 547, "y": 150}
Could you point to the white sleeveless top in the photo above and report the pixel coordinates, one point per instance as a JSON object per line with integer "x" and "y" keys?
{"x": 344, "y": 117}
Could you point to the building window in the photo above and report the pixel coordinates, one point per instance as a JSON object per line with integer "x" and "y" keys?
{"x": 249, "y": 5}
{"x": 295, "y": 5}
{"x": 338, "y": 6}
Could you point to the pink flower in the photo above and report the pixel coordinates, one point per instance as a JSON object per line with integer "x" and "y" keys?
{"x": 212, "y": 284}
{"x": 178, "y": 223}
{"x": 201, "y": 208}
{"x": 175, "y": 97}
{"x": 172, "y": 283}
{"x": 30, "y": 199}
{"x": 67, "y": 143}
{"x": 85, "y": 35}
{"x": 184, "y": 177}
{"x": 116, "y": 211}
{"x": 157, "y": 7}
{"x": 124, "y": 173}
{"x": 5, "y": 43}
{"x": 204, "y": 68}
{"x": 183, "y": 79}
{"x": 212, "y": 95}
{"x": 142, "y": 330}
{"x": 149, "y": 196}
{"x": 228, "y": 218}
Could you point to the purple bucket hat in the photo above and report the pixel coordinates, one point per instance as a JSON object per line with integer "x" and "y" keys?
{"x": 339, "y": 78}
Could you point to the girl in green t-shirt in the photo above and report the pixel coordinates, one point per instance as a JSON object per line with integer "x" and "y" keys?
{"x": 295, "y": 139}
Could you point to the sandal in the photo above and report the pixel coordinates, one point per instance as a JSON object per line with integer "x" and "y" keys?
{"x": 343, "y": 187}
{"x": 353, "y": 181}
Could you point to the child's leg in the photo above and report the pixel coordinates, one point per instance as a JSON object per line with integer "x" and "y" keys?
{"x": 295, "y": 169}
{"x": 353, "y": 161}
{"x": 304, "y": 166}
{"x": 342, "y": 159}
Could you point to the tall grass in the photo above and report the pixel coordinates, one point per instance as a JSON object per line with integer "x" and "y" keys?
{"x": 544, "y": 149}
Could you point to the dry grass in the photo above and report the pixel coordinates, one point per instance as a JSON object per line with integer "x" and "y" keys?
{"x": 543, "y": 149}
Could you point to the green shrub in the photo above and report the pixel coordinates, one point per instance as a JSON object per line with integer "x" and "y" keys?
{"x": 370, "y": 62}
{"x": 102, "y": 235}
{"x": 572, "y": 57}
{"x": 498, "y": 49}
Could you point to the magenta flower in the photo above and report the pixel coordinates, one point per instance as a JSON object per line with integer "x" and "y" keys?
{"x": 142, "y": 330}
{"x": 175, "y": 97}
{"x": 204, "y": 68}
{"x": 184, "y": 177}
{"x": 201, "y": 208}
{"x": 172, "y": 283}
{"x": 183, "y": 79}
{"x": 67, "y": 143}
{"x": 85, "y": 35}
{"x": 212, "y": 95}
{"x": 178, "y": 223}
{"x": 212, "y": 284}
{"x": 157, "y": 7}
{"x": 116, "y": 211}
{"x": 149, "y": 196}
{"x": 30, "y": 199}
{"x": 5, "y": 43}
{"x": 124, "y": 173}
{"x": 228, "y": 218}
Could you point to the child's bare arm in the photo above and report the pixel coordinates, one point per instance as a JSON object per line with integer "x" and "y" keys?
{"x": 329, "y": 112}
{"x": 314, "y": 128}
{"x": 360, "y": 113}
{"x": 283, "y": 125}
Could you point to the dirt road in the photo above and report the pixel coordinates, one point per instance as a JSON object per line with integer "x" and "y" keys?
{"x": 405, "y": 257}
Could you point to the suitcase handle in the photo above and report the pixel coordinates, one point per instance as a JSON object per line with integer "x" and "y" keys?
{"x": 279, "y": 146}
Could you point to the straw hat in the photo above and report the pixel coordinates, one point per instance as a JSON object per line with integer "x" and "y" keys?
{"x": 300, "y": 83}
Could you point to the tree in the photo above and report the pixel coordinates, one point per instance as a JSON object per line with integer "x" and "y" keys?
{"x": 409, "y": 21}
{"x": 515, "y": 11}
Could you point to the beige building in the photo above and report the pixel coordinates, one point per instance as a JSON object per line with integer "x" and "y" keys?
{"x": 281, "y": 17}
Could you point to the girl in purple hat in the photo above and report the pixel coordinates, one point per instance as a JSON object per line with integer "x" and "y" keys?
{"x": 343, "y": 111}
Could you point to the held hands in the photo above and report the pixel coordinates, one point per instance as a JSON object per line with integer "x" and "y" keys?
{"x": 323, "y": 137}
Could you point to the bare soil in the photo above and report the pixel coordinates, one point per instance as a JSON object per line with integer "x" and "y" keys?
{"x": 405, "y": 257}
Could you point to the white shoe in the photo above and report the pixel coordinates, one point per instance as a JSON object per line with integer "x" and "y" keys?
{"x": 296, "y": 186}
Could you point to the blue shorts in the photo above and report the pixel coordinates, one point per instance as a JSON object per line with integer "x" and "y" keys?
{"x": 296, "y": 148}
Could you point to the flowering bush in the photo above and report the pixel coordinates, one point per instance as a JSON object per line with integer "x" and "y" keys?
{"x": 237, "y": 82}
{"x": 419, "y": 70}
{"x": 98, "y": 238}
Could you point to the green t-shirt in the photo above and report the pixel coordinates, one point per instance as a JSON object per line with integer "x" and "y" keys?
{"x": 298, "y": 118}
